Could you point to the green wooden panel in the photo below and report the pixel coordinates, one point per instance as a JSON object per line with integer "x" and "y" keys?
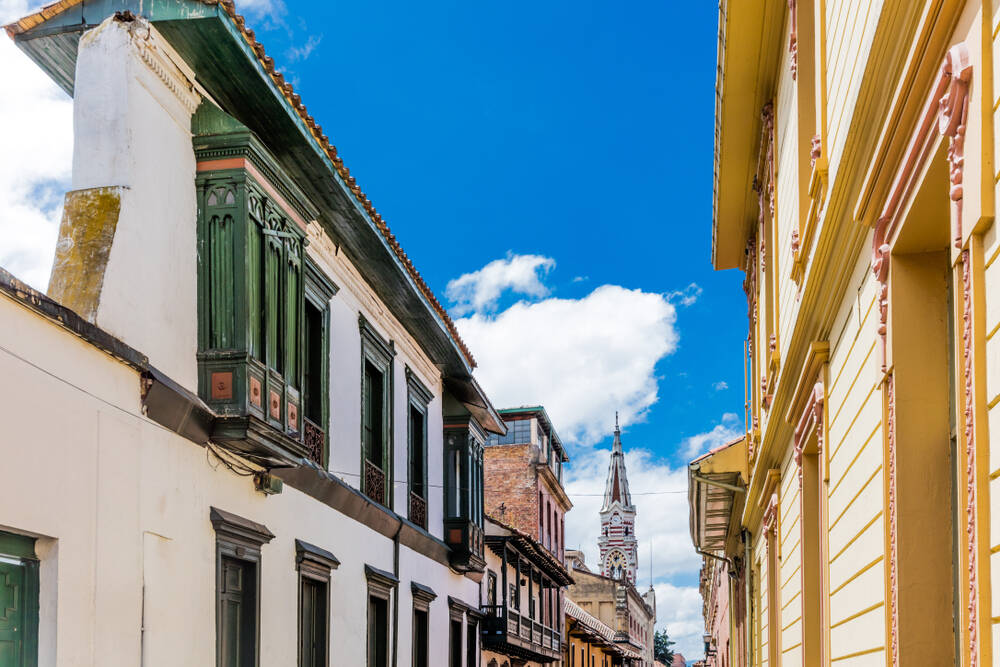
{"x": 255, "y": 288}
{"x": 237, "y": 642}
{"x": 272, "y": 301}
{"x": 18, "y": 612}
{"x": 293, "y": 314}
{"x": 17, "y": 546}
{"x": 313, "y": 621}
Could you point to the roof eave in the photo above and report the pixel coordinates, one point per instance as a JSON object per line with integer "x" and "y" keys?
{"x": 727, "y": 465}
{"x": 749, "y": 35}
{"x": 279, "y": 118}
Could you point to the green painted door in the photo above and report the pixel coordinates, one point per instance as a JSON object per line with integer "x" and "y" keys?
{"x": 18, "y": 602}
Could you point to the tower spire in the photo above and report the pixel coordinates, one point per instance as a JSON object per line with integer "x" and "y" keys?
{"x": 617, "y": 542}
{"x": 616, "y": 487}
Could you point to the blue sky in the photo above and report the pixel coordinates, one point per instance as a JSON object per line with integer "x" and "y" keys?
{"x": 548, "y": 167}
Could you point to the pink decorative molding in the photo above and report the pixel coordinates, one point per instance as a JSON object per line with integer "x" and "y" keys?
{"x": 957, "y": 70}
{"x": 769, "y": 523}
{"x": 811, "y": 421}
{"x": 793, "y": 44}
{"x": 880, "y": 267}
{"x": 970, "y": 458}
{"x": 947, "y": 107}
{"x": 815, "y": 149}
{"x": 893, "y": 542}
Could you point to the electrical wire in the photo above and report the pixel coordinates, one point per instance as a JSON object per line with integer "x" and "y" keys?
{"x": 234, "y": 464}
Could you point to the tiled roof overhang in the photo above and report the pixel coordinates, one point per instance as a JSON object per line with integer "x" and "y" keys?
{"x": 501, "y": 534}
{"x": 234, "y": 68}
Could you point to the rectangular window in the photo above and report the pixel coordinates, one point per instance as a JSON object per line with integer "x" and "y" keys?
{"x": 378, "y": 632}
{"x": 420, "y": 650}
{"x": 314, "y": 566}
{"x": 238, "y": 544}
{"x": 313, "y": 598}
{"x": 418, "y": 399}
{"x": 455, "y": 643}
{"x": 423, "y": 596}
{"x": 518, "y": 433}
{"x": 381, "y": 586}
{"x": 316, "y": 368}
{"x": 376, "y": 414}
{"x": 471, "y": 643}
{"x": 491, "y": 589}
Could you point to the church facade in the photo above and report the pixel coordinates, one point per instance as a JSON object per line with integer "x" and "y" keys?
{"x": 618, "y": 547}
{"x": 610, "y": 595}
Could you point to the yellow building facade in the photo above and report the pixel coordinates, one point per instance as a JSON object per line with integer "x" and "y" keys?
{"x": 855, "y": 186}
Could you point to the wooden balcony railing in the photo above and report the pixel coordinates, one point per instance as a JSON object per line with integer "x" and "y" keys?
{"x": 418, "y": 510}
{"x": 501, "y": 626}
{"x": 374, "y": 482}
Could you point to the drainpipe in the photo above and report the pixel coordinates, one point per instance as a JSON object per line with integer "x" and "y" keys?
{"x": 395, "y": 607}
{"x": 748, "y": 621}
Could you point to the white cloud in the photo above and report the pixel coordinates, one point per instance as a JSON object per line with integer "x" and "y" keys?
{"x": 480, "y": 290}
{"x": 303, "y": 51}
{"x": 36, "y": 132}
{"x": 721, "y": 385}
{"x": 661, "y": 525}
{"x": 678, "y": 611}
{"x": 269, "y": 10}
{"x": 582, "y": 359}
{"x": 687, "y": 296}
{"x": 729, "y": 428}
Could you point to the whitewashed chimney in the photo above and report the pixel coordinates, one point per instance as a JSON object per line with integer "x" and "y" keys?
{"x": 126, "y": 256}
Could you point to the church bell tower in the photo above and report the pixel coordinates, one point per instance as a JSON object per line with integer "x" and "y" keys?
{"x": 619, "y": 549}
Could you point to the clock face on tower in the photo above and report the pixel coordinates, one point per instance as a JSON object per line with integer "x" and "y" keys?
{"x": 616, "y": 565}
{"x": 616, "y": 519}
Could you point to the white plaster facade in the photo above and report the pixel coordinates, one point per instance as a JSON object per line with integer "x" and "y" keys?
{"x": 120, "y": 504}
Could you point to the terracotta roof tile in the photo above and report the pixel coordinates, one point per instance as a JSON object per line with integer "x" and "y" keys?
{"x": 321, "y": 139}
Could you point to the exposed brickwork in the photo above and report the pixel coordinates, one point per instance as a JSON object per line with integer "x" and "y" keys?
{"x": 511, "y": 481}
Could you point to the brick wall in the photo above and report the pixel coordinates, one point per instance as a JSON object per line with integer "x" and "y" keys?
{"x": 510, "y": 480}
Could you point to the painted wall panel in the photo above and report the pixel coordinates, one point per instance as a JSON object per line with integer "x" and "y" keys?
{"x": 850, "y": 29}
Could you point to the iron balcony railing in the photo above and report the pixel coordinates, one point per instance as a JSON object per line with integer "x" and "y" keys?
{"x": 418, "y": 510}
{"x": 374, "y": 482}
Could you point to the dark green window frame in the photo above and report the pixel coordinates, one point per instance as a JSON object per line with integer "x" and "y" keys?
{"x": 253, "y": 295}
{"x": 377, "y": 356}
{"x": 382, "y": 587}
{"x": 238, "y": 542}
{"x": 17, "y": 557}
{"x": 418, "y": 398}
{"x": 464, "y": 476}
{"x": 319, "y": 290}
{"x": 314, "y": 565}
{"x": 423, "y": 596}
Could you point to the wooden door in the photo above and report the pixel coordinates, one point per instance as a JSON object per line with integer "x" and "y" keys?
{"x": 18, "y": 612}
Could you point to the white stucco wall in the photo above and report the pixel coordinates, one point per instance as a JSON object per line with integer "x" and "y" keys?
{"x": 122, "y": 505}
{"x": 131, "y": 129}
{"x": 356, "y": 296}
